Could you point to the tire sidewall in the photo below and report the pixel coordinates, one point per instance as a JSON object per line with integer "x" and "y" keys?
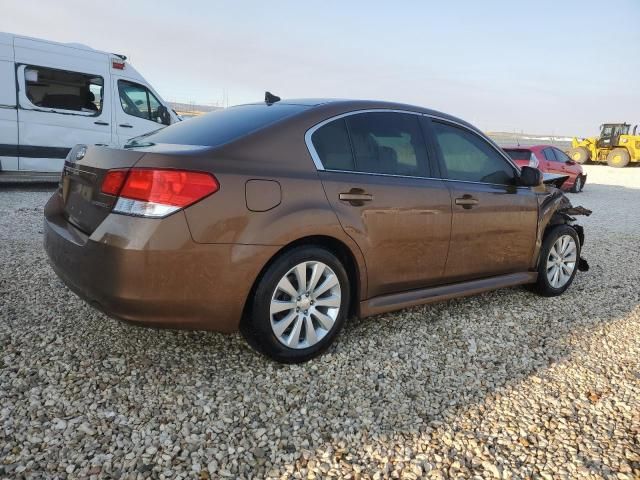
{"x": 624, "y": 155}
{"x": 550, "y": 238}
{"x": 577, "y": 185}
{"x": 259, "y": 321}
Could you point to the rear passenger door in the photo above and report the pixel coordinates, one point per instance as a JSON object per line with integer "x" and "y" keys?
{"x": 58, "y": 109}
{"x": 494, "y": 221}
{"x": 375, "y": 171}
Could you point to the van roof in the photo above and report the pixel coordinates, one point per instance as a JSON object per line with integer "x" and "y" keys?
{"x": 79, "y": 46}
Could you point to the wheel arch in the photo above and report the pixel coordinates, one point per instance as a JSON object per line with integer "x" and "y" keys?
{"x": 337, "y": 247}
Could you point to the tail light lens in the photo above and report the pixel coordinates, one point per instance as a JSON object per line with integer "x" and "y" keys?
{"x": 155, "y": 192}
{"x": 113, "y": 181}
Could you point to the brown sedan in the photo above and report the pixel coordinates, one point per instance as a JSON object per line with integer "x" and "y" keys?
{"x": 283, "y": 219}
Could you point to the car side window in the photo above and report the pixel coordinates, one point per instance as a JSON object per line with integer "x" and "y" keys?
{"x": 331, "y": 142}
{"x": 468, "y": 157}
{"x": 549, "y": 155}
{"x": 388, "y": 142}
{"x": 561, "y": 156}
{"x": 138, "y": 101}
{"x": 374, "y": 142}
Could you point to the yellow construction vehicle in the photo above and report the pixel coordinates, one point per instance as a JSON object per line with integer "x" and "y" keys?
{"x": 615, "y": 145}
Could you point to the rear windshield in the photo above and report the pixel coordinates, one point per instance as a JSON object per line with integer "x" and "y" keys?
{"x": 219, "y": 127}
{"x": 519, "y": 154}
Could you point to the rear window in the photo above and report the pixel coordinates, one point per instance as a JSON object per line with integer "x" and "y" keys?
{"x": 219, "y": 127}
{"x": 519, "y": 154}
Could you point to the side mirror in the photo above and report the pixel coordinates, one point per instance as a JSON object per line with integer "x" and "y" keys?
{"x": 570, "y": 162}
{"x": 530, "y": 177}
{"x": 163, "y": 113}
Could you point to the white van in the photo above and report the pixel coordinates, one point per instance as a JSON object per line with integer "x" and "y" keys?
{"x": 55, "y": 95}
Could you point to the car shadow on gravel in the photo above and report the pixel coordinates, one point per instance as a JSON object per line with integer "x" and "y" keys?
{"x": 407, "y": 373}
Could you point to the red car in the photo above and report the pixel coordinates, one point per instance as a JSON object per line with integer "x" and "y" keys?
{"x": 550, "y": 159}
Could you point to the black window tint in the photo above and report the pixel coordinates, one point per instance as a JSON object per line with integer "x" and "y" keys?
{"x": 331, "y": 142}
{"x": 549, "y": 155}
{"x": 468, "y": 157}
{"x": 63, "y": 90}
{"x": 219, "y": 127}
{"x": 390, "y": 143}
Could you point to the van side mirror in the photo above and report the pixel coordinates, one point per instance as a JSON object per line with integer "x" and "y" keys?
{"x": 163, "y": 113}
{"x": 530, "y": 177}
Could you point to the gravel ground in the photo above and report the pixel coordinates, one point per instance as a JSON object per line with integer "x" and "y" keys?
{"x": 502, "y": 385}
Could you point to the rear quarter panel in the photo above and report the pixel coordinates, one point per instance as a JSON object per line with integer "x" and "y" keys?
{"x": 276, "y": 155}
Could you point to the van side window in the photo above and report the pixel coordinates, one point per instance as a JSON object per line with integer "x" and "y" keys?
{"x": 138, "y": 101}
{"x": 63, "y": 90}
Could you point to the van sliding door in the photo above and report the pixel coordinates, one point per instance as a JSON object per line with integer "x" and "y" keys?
{"x": 8, "y": 112}
{"x": 64, "y": 99}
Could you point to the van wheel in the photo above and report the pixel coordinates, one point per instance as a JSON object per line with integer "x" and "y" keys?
{"x": 299, "y": 305}
{"x": 558, "y": 264}
{"x": 618, "y": 158}
{"x": 579, "y": 155}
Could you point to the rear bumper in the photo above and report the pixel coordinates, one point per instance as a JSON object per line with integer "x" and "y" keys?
{"x": 150, "y": 271}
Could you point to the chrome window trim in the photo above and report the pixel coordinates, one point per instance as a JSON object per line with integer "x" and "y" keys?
{"x": 319, "y": 166}
{"x": 331, "y": 170}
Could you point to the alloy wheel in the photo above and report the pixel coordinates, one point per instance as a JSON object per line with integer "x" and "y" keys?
{"x": 561, "y": 261}
{"x": 305, "y": 304}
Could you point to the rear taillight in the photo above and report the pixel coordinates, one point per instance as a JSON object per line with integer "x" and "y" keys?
{"x": 113, "y": 181}
{"x": 157, "y": 193}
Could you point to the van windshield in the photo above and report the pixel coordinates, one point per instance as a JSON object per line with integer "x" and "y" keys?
{"x": 219, "y": 127}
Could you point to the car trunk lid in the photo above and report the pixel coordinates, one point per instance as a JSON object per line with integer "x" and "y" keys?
{"x": 85, "y": 205}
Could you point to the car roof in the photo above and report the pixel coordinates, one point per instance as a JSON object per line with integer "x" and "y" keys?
{"x": 346, "y": 105}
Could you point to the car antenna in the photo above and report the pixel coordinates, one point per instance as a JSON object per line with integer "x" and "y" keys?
{"x": 270, "y": 98}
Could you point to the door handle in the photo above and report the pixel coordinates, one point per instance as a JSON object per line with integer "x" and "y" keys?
{"x": 125, "y": 125}
{"x": 466, "y": 201}
{"x": 101, "y": 123}
{"x": 356, "y": 197}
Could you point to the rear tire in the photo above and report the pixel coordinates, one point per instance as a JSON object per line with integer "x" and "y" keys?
{"x": 293, "y": 316}
{"x": 579, "y": 155}
{"x": 618, "y": 158}
{"x": 558, "y": 261}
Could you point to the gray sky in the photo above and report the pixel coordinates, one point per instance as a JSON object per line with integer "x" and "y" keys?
{"x": 538, "y": 66}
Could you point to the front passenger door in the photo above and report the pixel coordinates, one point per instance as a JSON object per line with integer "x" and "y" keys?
{"x": 136, "y": 110}
{"x": 494, "y": 223}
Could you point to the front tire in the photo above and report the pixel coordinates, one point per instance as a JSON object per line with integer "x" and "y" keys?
{"x": 579, "y": 155}
{"x": 558, "y": 261}
{"x": 577, "y": 185}
{"x": 618, "y": 158}
{"x": 299, "y": 305}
